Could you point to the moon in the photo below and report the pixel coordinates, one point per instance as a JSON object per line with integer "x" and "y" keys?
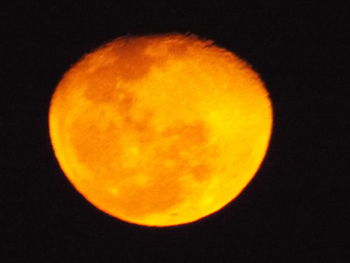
{"x": 160, "y": 130}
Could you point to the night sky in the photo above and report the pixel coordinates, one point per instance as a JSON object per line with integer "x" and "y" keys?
{"x": 294, "y": 210}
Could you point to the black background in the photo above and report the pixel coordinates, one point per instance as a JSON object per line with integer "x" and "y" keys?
{"x": 295, "y": 208}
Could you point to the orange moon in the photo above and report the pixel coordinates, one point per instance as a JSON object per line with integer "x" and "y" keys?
{"x": 160, "y": 130}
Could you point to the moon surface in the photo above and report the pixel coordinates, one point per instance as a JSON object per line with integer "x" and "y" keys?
{"x": 160, "y": 130}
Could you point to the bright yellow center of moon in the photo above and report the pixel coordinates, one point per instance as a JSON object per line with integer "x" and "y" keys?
{"x": 160, "y": 130}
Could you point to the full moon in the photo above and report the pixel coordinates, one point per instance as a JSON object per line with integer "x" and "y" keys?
{"x": 160, "y": 130}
